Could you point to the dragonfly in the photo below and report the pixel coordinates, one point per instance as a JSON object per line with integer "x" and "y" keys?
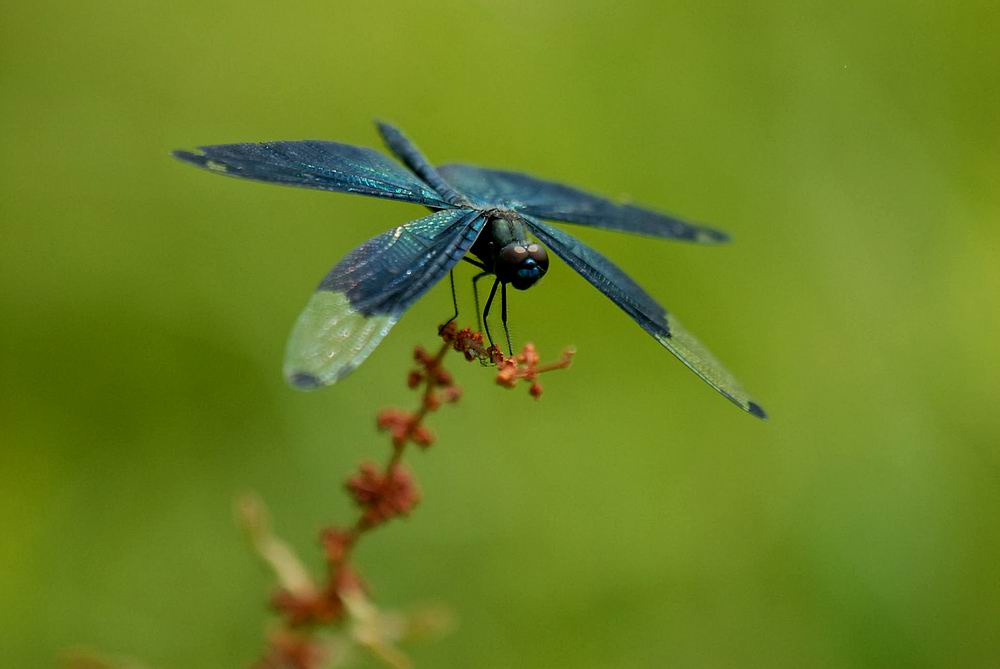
{"x": 486, "y": 217}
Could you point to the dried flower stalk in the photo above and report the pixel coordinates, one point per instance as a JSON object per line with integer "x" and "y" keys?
{"x": 322, "y": 621}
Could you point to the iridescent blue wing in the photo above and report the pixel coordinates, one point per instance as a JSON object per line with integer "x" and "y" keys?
{"x": 408, "y": 152}
{"x": 557, "y": 202}
{"x": 653, "y": 318}
{"x": 366, "y": 293}
{"x": 317, "y": 164}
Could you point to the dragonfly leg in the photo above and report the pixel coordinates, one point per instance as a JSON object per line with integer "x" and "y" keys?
{"x": 503, "y": 317}
{"x": 475, "y": 295}
{"x": 486, "y": 311}
{"x": 454, "y": 300}
{"x": 474, "y": 263}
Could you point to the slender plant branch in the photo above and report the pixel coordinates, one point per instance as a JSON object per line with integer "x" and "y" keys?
{"x": 320, "y": 622}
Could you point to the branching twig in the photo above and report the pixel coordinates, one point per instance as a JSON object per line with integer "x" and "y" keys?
{"x": 313, "y": 633}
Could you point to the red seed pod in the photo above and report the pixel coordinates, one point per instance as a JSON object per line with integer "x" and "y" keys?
{"x": 383, "y": 419}
{"x": 305, "y": 608}
{"x": 449, "y": 332}
{"x": 422, "y": 436}
{"x": 336, "y": 543}
{"x": 366, "y": 484}
{"x": 293, "y": 650}
{"x": 507, "y": 375}
{"x": 432, "y": 401}
{"x": 529, "y": 356}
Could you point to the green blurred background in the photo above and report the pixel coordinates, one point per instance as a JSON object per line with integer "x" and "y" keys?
{"x": 632, "y": 518}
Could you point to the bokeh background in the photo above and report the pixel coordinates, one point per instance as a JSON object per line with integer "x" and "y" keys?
{"x": 631, "y": 518}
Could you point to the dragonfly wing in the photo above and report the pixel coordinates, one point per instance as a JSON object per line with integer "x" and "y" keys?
{"x": 638, "y": 304}
{"x": 317, "y": 164}
{"x": 407, "y": 151}
{"x": 366, "y": 293}
{"x": 558, "y": 202}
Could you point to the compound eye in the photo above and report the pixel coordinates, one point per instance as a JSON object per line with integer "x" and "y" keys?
{"x": 513, "y": 254}
{"x": 537, "y": 253}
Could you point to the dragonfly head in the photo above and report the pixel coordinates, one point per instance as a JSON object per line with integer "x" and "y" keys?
{"x": 521, "y": 264}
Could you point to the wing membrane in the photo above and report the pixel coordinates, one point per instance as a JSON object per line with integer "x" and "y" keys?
{"x": 558, "y": 202}
{"x": 317, "y": 164}
{"x": 653, "y": 318}
{"x": 408, "y": 152}
{"x": 366, "y": 293}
